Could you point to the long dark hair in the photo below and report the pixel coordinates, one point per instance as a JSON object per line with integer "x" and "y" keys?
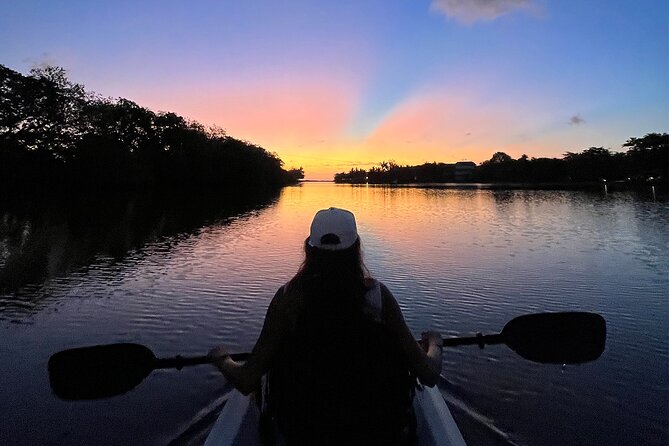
{"x": 363, "y": 399}
{"x": 332, "y": 280}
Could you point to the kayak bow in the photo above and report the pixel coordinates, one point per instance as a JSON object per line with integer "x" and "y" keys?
{"x": 237, "y": 424}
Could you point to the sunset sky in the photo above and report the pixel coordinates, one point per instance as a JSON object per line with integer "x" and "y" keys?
{"x": 331, "y": 85}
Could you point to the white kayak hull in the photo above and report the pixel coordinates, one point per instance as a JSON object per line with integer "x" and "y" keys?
{"x": 237, "y": 425}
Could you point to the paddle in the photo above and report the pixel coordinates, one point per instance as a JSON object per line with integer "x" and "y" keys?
{"x": 549, "y": 338}
{"x": 106, "y": 370}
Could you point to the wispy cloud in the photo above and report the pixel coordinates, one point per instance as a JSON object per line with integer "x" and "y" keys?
{"x": 576, "y": 120}
{"x": 470, "y": 11}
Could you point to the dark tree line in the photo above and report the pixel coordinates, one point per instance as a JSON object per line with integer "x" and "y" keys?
{"x": 646, "y": 159}
{"x": 54, "y": 134}
{"x": 388, "y": 172}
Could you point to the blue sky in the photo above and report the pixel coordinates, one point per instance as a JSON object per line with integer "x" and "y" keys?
{"x": 331, "y": 85}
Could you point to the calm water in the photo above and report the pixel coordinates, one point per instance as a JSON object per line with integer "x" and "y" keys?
{"x": 458, "y": 261}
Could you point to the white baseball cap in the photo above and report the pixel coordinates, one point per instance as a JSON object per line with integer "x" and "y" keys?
{"x": 333, "y": 229}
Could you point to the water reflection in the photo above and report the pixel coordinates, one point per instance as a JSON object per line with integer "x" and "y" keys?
{"x": 181, "y": 278}
{"x": 40, "y": 240}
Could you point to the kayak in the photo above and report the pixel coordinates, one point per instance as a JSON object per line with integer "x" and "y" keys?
{"x": 237, "y": 424}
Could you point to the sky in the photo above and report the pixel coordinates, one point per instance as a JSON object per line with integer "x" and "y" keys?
{"x": 333, "y": 85}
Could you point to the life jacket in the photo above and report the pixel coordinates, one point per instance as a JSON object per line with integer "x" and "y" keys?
{"x": 342, "y": 385}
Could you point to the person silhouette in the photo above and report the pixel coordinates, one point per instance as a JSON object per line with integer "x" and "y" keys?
{"x": 341, "y": 362}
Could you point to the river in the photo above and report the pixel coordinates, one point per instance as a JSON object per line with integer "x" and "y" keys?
{"x": 181, "y": 280}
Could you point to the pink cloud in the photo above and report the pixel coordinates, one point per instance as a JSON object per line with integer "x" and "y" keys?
{"x": 277, "y": 113}
{"x": 280, "y": 114}
{"x": 442, "y": 126}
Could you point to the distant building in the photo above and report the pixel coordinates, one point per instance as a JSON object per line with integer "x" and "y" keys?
{"x": 464, "y": 170}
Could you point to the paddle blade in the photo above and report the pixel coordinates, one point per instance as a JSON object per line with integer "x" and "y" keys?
{"x": 557, "y": 338}
{"x": 100, "y": 371}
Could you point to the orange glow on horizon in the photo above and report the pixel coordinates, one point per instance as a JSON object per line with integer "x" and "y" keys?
{"x": 306, "y": 122}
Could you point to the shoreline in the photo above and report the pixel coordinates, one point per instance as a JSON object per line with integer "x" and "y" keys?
{"x": 658, "y": 188}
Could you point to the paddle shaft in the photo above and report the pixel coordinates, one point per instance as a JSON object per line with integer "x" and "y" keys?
{"x": 479, "y": 340}
{"x": 184, "y": 361}
{"x": 181, "y": 361}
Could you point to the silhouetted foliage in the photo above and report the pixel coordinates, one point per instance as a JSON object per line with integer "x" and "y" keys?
{"x": 294, "y": 175}
{"x": 356, "y": 176}
{"x": 500, "y": 158}
{"x": 646, "y": 160}
{"x": 649, "y": 155}
{"x": 54, "y": 134}
{"x": 389, "y": 172}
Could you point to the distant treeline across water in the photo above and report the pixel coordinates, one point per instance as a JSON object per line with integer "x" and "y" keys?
{"x": 55, "y": 135}
{"x": 645, "y": 161}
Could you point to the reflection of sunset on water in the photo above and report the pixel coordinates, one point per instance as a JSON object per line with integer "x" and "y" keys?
{"x": 458, "y": 260}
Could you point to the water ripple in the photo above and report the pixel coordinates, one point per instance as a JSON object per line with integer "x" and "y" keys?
{"x": 459, "y": 261}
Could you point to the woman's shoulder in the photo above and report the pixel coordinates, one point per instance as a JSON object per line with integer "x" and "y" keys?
{"x": 286, "y": 298}
{"x": 376, "y": 286}
{"x": 379, "y": 301}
